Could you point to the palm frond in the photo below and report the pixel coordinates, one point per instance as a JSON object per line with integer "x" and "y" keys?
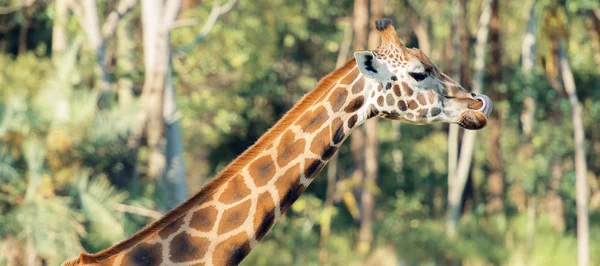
{"x": 51, "y": 224}
{"x": 34, "y": 153}
{"x": 98, "y": 199}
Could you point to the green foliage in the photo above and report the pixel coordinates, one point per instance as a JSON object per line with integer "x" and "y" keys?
{"x": 98, "y": 199}
{"x": 51, "y": 198}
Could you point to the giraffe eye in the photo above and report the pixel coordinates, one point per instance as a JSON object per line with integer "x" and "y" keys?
{"x": 418, "y": 76}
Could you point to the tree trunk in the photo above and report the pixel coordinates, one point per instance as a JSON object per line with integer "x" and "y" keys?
{"x": 91, "y": 25}
{"x": 32, "y": 256}
{"x": 174, "y": 178}
{"x": 554, "y": 203}
{"x": 125, "y": 63}
{"x": 22, "y": 47}
{"x": 464, "y": 36}
{"x": 583, "y": 236}
{"x": 365, "y": 234}
{"x": 454, "y": 130}
{"x": 165, "y": 164}
{"x": 357, "y": 138}
{"x": 528, "y": 61}
{"x": 332, "y": 165}
{"x": 419, "y": 27}
{"x": 59, "y": 36}
{"x": 455, "y": 192}
{"x": 495, "y": 202}
{"x": 153, "y": 94}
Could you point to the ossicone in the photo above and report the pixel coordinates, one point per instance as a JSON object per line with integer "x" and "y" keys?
{"x": 382, "y": 24}
{"x": 388, "y": 33}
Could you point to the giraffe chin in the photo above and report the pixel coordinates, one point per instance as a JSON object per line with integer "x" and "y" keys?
{"x": 473, "y": 120}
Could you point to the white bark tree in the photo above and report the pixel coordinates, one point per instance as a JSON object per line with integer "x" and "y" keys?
{"x": 97, "y": 35}
{"x": 581, "y": 187}
{"x": 528, "y": 55}
{"x": 163, "y": 131}
{"x": 369, "y": 185}
{"x": 457, "y": 186}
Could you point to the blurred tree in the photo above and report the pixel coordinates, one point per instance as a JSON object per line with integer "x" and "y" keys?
{"x": 98, "y": 35}
{"x": 582, "y": 188}
{"x": 162, "y": 131}
{"x": 496, "y": 180}
{"x": 455, "y": 191}
{"x": 528, "y": 63}
{"x": 357, "y": 139}
{"x": 369, "y": 185}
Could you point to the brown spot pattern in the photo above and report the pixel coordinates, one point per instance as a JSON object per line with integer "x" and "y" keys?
{"x": 407, "y": 90}
{"x": 355, "y": 104}
{"x": 204, "y": 219}
{"x": 171, "y": 228}
{"x": 421, "y": 99}
{"x": 262, "y": 170}
{"x": 234, "y": 217}
{"x": 236, "y": 188}
{"x": 265, "y": 207}
{"x": 350, "y": 77}
{"x": 402, "y": 105}
{"x": 389, "y": 99}
{"x": 412, "y": 105}
{"x": 311, "y": 121}
{"x": 313, "y": 167}
{"x": 358, "y": 86}
{"x": 288, "y": 149}
{"x": 287, "y": 180}
{"x": 338, "y": 98}
{"x": 185, "y": 247}
{"x": 397, "y": 91}
{"x": 228, "y": 251}
{"x": 145, "y": 254}
{"x": 321, "y": 142}
{"x": 380, "y": 100}
{"x": 352, "y": 121}
{"x": 337, "y": 130}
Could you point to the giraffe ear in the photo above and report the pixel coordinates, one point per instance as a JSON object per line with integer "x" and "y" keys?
{"x": 370, "y": 66}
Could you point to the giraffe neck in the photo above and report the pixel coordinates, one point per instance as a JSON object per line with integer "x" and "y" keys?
{"x": 226, "y": 219}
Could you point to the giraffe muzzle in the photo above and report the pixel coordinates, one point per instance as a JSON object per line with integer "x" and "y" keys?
{"x": 487, "y": 104}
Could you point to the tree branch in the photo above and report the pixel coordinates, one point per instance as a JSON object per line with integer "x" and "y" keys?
{"x": 7, "y": 10}
{"x": 171, "y": 11}
{"x": 184, "y": 23}
{"x": 110, "y": 26}
{"x": 154, "y": 215}
{"x": 215, "y": 13}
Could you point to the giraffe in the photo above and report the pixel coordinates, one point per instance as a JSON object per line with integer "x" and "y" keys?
{"x": 230, "y": 215}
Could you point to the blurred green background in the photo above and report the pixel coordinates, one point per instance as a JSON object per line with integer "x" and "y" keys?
{"x": 76, "y": 163}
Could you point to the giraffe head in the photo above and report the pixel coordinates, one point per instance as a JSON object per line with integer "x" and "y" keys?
{"x": 403, "y": 84}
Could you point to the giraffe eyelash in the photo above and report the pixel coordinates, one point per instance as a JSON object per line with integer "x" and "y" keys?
{"x": 418, "y": 76}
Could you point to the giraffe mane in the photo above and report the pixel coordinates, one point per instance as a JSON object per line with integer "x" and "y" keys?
{"x": 233, "y": 168}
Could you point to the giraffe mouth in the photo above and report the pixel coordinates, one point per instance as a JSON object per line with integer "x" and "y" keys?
{"x": 473, "y": 120}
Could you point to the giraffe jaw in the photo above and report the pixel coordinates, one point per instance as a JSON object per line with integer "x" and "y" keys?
{"x": 472, "y": 120}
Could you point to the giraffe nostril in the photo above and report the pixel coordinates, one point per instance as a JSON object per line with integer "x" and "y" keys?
{"x": 473, "y": 94}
